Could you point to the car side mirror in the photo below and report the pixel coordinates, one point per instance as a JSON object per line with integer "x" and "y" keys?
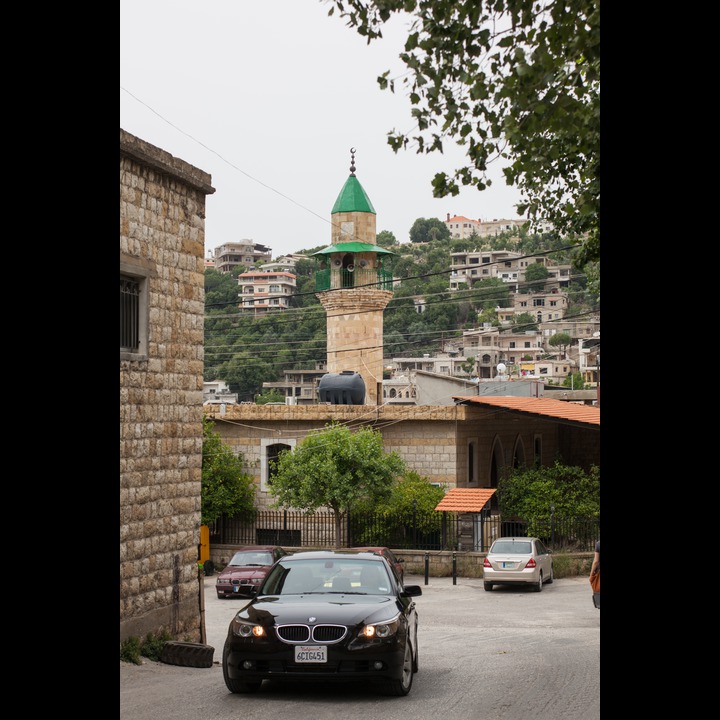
{"x": 411, "y": 591}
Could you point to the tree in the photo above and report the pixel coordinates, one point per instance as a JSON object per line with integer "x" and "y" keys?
{"x": 512, "y": 79}
{"x": 574, "y": 381}
{"x": 468, "y": 367}
{"x": 410, "y": 505}
{"x": 534, "y": 493}
{"x": 490, "y": 293}
{"x": 524, "y": 321}
{"x": 335, "y": 468}
{"x": 535, "y": 276}
{"x": 226, "y": 489}
{"x": 385, "y": 239}
{"x": 245, "y": 373}
{"x": 221, "y": 290}
{"x": 428, "y": 230}
{"x": 271, "y": 395}
{"x": 561, "y": 340}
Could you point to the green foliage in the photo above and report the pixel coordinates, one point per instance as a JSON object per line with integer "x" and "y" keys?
{"x": 268, "y": 396}
{"x": 153, "y": 645}
{"x": 561, "y": 339}
{"x": 411, "y": 492}
{"x": 385, "y": 239}
{"x": 133, "y": 650}
{"x": 489, "y": 315}
{"x": 246, "y": 371}
{"x": 535, "y": 276}
{"x": 504, "y": 79}
{"x": 221, "y": 290}
{"x": 574, "y": 381}
{"x": 238, "y": 270}
{"x": 524, "y": 321}
{"x": 490, "y": 293}
{"x": 335, "y": 468}
{"x": 410, "y": 505}
{"x": 130, "y": 650}
{"x": 429, "y": 230}
{"x": 531, "y": 493}
{"x": 226, "y": 488}
{"x": 468, "y": 367}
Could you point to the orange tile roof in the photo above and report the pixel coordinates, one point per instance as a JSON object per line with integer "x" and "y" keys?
{"x": 465, "y": 499}
{"x": 558, "y": 409}
{"x": 460, "y": 218}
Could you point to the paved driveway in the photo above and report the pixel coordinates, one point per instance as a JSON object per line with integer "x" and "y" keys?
{"x": 508, "y": 654}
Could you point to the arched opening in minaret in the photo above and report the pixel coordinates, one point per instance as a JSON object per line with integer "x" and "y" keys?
{"x": 348, "y": 270}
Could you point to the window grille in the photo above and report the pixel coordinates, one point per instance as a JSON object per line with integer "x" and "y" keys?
{"x": 129, "y": 313}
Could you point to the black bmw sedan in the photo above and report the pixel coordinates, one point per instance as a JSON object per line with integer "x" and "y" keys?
{"x": 326, "y": 616}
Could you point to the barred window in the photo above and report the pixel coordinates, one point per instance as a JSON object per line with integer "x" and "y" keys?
{"x": 129, "y": 313}
{"x": 133, "y": 310}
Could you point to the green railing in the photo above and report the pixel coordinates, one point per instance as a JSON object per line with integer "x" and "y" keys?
{"x": 333, "y": 279}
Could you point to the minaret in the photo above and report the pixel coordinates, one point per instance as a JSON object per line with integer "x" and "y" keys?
{"x": 354, "y": 288}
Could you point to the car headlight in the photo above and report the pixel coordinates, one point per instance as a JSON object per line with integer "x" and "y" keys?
{"x": 380, "y": 630}
{"x": 246, "y": 630}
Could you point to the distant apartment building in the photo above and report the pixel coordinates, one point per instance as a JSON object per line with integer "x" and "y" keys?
{"x": 245, "y": 252}
{"x": 265, "y": 291}
{"x": 414, "y": 380}
{"x": 490, "y": 346}
{"x": 218, "y": 392}
{"x": 443, "y": 363}
{"x": 544, "y": 307}
{"x": 508, "y": 265}
{"x": 578, "y": 330}
{"x": 300, "y": 387}
{"x": 286, "y": 263}
{"x": 464, "y": 227}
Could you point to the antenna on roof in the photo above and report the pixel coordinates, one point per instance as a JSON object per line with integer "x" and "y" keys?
{"x": 352, "y": 161}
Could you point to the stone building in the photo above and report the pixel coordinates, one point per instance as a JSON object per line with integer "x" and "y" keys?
{"x": 465, "y": 445}
{"x": 162, "y": 305}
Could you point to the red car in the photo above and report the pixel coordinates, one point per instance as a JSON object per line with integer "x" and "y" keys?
{"x": 246, "y": 570}
{"x": 389, "y": 555}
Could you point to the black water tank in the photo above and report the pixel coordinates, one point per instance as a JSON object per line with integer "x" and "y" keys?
{"x": 343, "y": 388}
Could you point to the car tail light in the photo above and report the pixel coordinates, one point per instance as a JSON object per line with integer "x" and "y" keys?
{"x": 486, "y": 563}
{"x": 531, "y": 563}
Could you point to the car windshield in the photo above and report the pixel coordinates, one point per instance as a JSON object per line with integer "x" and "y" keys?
{"x": 334, "y": 575}
{"x": 248, "y": 557}
{"x": 510, "y": 547}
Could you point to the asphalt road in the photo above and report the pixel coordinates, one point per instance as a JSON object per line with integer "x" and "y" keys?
{"x": 508, "y": 654}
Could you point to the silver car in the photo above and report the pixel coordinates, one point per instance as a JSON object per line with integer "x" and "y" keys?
{"x": 518, "y": 560}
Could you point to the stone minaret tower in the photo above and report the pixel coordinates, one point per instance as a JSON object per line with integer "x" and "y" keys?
{"x": 354, "y": 288}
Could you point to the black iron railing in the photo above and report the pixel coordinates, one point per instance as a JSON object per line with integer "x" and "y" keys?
{"x": 412, "y": 531}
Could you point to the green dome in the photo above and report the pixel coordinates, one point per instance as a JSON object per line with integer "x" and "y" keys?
{"x": 352, "y": 198}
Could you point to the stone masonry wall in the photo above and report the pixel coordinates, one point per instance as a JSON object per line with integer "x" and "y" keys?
{"x": 162, "y": 238}
{"x": 433, "y": 440}
{"x": 355, "y": 334}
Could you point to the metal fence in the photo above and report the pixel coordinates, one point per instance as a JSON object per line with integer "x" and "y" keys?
{"x": 412, "y": 531}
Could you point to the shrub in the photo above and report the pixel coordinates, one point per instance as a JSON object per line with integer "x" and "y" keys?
{"x": 153, "y": 645}
{"x": 130, "y": 650}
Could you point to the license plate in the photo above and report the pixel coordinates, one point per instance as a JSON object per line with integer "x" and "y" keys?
{"x": 311, "y": 654}
{"x": 508, "y": 565}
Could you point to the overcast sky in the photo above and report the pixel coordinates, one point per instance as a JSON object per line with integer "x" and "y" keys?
{"x": 268, "y": 96}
